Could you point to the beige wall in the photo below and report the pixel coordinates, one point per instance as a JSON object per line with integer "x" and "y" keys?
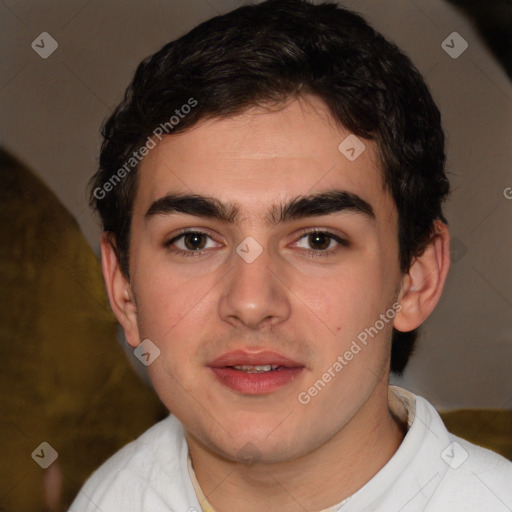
{"x": 51, "y": 110}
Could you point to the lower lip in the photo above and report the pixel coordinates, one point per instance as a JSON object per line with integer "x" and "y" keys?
{"x": 256, "y": 383}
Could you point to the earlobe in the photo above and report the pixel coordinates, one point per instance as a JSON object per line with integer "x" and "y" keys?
{"x": 119, "y": 291}
{"x": 422, "y": 286}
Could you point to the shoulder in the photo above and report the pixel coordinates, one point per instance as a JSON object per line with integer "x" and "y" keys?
{"x": 472, "y": 478}
{"x": 476, "y": 479}
{"x": 141, "y": 454}
{"x": 137, "y": 471}
{"x": 480, "y": 466}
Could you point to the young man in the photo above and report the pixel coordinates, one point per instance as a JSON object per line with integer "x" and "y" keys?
{"x": 270, "y": 190}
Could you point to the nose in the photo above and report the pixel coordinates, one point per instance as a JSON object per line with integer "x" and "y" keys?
{"x": 254, "y": 293}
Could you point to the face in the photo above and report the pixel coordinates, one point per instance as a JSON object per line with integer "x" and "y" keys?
{"x": 289, "y": 255}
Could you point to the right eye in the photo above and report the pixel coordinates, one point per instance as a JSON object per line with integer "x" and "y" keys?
{"x": 190, "y": 243}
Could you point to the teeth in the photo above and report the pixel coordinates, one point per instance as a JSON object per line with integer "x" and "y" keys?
{"x": 257, "y": 369}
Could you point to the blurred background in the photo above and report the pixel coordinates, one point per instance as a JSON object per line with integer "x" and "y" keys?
{"x": 65, "y": 380}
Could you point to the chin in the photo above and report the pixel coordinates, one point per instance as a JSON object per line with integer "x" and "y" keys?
{"x": 253, "y": 446}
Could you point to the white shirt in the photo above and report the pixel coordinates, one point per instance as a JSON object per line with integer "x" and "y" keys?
{"x": 432, "y": 471}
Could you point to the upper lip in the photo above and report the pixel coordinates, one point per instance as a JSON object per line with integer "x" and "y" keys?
{"x": 244, "y": 357}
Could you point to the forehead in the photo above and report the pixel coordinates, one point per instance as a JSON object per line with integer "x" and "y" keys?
{"x": 262, "y": 156}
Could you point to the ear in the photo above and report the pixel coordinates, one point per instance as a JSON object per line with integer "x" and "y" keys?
{"x": 423, "y": 284}
{"x": 120, "y": 295}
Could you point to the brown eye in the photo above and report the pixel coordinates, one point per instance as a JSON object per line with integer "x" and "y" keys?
{"x": 191, "y": 243}
{"x": 194, "y": 241}
{"x": 319, "y": 241}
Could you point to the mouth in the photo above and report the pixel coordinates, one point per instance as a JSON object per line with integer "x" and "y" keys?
{"x": 255, "y": 373}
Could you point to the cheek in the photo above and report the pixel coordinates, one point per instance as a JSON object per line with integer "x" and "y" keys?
{"x": 342, "y": 303}
{"x": 175, "y": 320}
{"x": 338, "y": 316}
{"x": 166, "y": 300}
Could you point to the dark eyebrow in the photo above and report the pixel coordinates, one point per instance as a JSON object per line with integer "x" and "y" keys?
{"x": 314, "y": 205}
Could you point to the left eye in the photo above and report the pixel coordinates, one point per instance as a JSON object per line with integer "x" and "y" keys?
{"x": 319, "y": 241}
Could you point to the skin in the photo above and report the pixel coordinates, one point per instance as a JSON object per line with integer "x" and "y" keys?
{"x": 308, "y": 308}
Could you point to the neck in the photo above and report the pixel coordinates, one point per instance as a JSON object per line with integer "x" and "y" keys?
{"x": 318, "y": 480}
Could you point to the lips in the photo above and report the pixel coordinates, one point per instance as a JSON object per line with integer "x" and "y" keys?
{"x": 255, "y": 373}
{"x": 245, "y": 358}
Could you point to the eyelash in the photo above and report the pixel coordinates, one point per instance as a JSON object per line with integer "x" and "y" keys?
{"x": 312, "y": 253}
